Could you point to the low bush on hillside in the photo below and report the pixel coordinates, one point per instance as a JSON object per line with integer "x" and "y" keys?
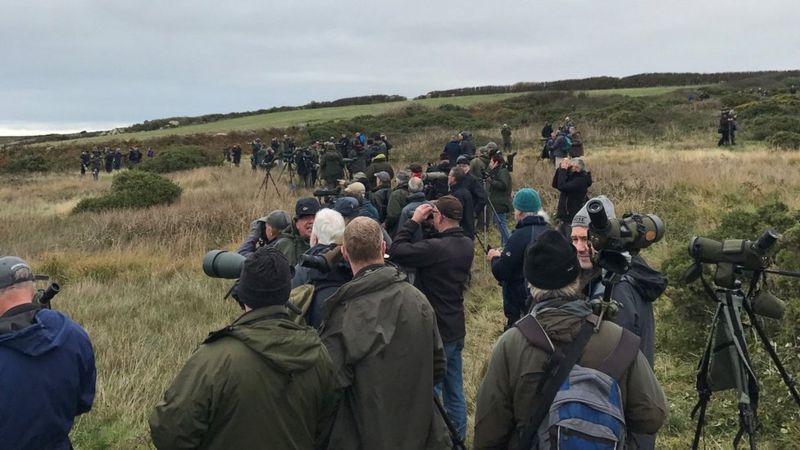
{"x": 133, "y": 189}
{"x": 179, "y": 158}
{"x": 30, "y": 162}
{"x": 785, "y": 140}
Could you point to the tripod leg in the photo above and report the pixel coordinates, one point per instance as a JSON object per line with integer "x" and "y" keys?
{"x": 788, "y": 379}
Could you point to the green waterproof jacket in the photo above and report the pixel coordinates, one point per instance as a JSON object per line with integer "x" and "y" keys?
{"x": 515, "y": 369}
{"x": 291, "y": 244}
{"x": 381, "y": 334}
{"x": 331, "y": 165}
{"x": 478, "y": 165}
{"x": 263, "y": 382}
{"x": 500, "y": 189}
{"x": 397, "y": 201}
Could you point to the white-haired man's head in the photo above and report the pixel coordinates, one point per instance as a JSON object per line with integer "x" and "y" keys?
{"x": 328, "y": 227}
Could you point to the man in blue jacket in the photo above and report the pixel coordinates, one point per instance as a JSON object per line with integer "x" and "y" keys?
{"x": 507, "y": 264}
{"x": 46, "y": 366}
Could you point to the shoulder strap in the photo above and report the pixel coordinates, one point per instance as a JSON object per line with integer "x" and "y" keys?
{"x": 622, "y": 356}
{"x": 534, "y": 333}
{"x": 550, "y": 385}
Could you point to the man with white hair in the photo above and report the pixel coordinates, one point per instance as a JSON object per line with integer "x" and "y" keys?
{"x": 46, "y": 366}
{"x": 326, "y": 234}
{"x": 507, "y": 265}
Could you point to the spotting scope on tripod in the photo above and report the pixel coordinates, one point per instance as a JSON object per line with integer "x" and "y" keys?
{"x": 726, "y": 362}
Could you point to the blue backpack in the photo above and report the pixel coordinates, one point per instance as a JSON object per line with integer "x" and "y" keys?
{"x": 585, "y": 410}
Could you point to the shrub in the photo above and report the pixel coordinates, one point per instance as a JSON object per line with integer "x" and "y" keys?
{"x": 785, "y": 139}
{"x": 133, "y": 189}
{"x": 763, "y": 127}
{"x": 31, "y": 162}
{"x": 179, "y": 158}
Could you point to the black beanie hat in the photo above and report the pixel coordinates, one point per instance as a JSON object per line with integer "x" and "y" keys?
{"x": 551, "y": 262}
{"x": 266, "y": 279}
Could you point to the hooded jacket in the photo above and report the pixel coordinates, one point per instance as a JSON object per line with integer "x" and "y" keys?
{"x": 381, "y": 333}
{"x": 291, "y": 244}
{"x": 262, "y": 382}
{"x": 505, "y": 397}
{"x": 331, "y": 166}
{"x": 636, "y": 292}
{"x": 47, "y": 377}
{"x": 325, "y": 283}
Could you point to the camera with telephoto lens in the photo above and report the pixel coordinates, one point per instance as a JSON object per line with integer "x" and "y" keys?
{"x": 328, "y": 196}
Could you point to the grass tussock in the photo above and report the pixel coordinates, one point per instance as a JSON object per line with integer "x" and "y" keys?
{"x": 132, "y": 277}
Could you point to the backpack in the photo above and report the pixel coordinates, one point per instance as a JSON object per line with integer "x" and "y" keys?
{"x": 586, "y": 409}
{"x": 566, "y": 144}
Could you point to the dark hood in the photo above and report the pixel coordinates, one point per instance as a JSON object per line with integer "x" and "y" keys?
{"x": 562, "y": 318}
{"x": 648, "y": 282}
{"x": 47, "y": 332}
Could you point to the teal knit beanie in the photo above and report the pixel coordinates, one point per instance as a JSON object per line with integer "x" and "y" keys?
{"x": 527, "y": 200}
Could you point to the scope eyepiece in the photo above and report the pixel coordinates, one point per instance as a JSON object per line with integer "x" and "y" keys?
{"x": 766, "y": 240}
{"x": 597, "y": 215}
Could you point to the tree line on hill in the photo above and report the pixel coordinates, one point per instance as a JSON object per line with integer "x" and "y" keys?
{"x": 634, "y": 81}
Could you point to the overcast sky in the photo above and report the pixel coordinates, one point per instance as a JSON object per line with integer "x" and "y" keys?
{"x": 95, "y": 64}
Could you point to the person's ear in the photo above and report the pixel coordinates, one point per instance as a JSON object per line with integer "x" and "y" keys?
{"x": 345, "y": 256}
{"x": 383, "y": 247}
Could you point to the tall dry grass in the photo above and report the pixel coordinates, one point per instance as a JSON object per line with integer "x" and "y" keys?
{"x": 132, "y": 278}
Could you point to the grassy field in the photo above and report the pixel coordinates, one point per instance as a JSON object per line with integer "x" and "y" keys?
{"x": 306, "y": 116}
{"x": 133, "y": 278}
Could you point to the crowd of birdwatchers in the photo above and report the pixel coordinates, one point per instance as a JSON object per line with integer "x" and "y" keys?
{"x": 353, "y": 321}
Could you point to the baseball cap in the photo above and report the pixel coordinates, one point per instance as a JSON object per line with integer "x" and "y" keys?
{"x": 14, "y": 270}
{"x": 462, "y": 160}
{"x": 450, "y": 207}
{"x": 383, "y": 176}
{"x": 356, "y": 188}
{"x": 346, "y": 206}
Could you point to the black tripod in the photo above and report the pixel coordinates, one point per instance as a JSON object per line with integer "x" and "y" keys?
{"x": 264, "y": 187}
{"x": 726, "y": 362}
{"x": 290, "y": 165}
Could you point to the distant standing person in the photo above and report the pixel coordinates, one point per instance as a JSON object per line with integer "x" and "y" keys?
{"x": 506, "y": 133}
{"x": 547, "y": 130}
{"x": 572, "y": 179}
{"x": 236, "y": 154}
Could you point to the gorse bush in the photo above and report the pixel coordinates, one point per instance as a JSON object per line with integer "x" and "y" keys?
{"x": 785, "y": 140}
{"x": 133, "y": 189}
{"x": 31, "y": 162}
{"x": 179, "y": 158}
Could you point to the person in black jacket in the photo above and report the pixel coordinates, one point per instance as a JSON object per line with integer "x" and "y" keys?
{"x": 443, "y": 262}
{"x": 572, "y": 179}
{"x": 475, "y": 187}
{"x": 457, "y": 180}
{"x": 507, "y": 266}
{"x": 453, "y": 150}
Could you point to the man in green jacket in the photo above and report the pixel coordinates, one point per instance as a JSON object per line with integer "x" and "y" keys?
{"x": 262, "y": 382}
{"x": 498, "y": 183}
{"x": 398, "y": 199}
{"x": 505, "y": 397}
{"x": 381, "y": 333}
{"x": 293, "y": 240}
{"x": 331, "y": 165}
